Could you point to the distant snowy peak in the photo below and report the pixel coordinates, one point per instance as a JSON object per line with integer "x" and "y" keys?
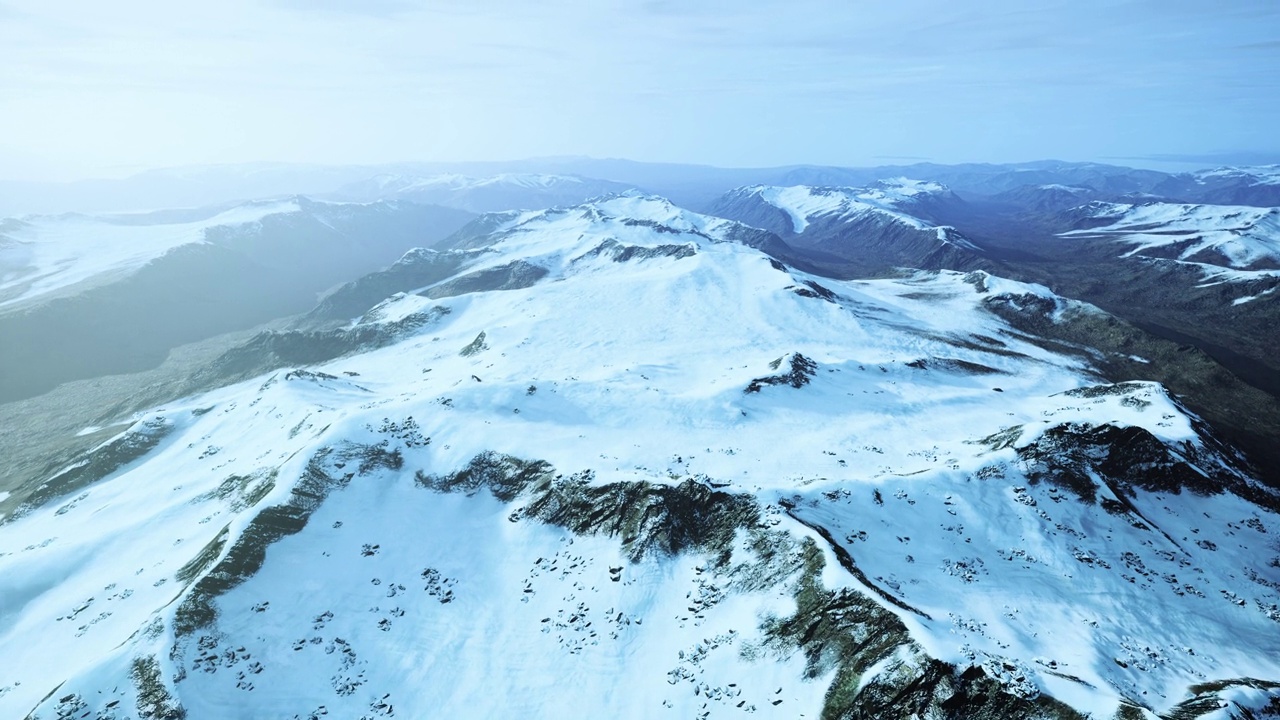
{"x": 806, "y": 204}
{"x": 506, "y": 191}
{"x": 1256, "y": 175}
{"x": 1227, "y": 242}
{"x": 1257, "y": 186}
{"x": 904, "y": 189}
{"x": 871, "y": 229}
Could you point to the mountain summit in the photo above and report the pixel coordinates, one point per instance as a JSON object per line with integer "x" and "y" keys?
{"x": 663, "y": 474}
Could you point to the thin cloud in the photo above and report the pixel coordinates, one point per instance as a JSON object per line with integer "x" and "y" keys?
{"x": 370, "y": 8}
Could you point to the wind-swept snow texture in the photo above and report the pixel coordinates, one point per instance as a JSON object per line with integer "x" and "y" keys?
{"x": 560, "y": 500}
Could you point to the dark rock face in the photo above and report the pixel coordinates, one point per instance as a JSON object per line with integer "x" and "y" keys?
{"x": 512, "y": 276}
{"x": 943, "y": 691}
{"x": 1127, "y": 458}
{"x": 802, "y": 369}
{"x": 325, "y": 472}
{"x": 621, "y": 253}
{"x": 270, "y": 350}
{"x": 838, "y": 630}
{"x": 418, "y": 268}
{"x": 648, "y": 519}
{"x": 1245, "y": 416}
{"x": 750, "y": 209}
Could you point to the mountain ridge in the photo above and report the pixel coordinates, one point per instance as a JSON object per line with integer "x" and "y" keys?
{"x": 577, "y": 470}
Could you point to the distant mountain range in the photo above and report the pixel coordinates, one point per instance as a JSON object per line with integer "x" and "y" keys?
{"x": 483, "y": 194}
{"x": 694, "y": 186}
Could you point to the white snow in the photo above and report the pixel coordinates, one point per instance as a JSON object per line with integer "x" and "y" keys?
{"x": 42, "y": 255}
{"x": 1243, "y": 236}
{"x": 1251, "y": 298}
{"x": 804, "y": 203}
{"x": 636, "y": 370}
{"x": 1255, "y": 175}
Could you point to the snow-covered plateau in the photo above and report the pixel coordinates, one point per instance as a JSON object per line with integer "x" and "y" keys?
{"x": 668, "y": 476}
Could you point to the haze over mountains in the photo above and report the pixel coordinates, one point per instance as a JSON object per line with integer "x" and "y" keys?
{"x": 690, "y": 185}
{"x": 573, "y": 437}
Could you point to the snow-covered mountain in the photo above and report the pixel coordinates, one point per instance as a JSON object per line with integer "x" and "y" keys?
{"x": 1253, "y": 175}
{"x": 505, "y": 191}
{"x": 426, "y": 270}
{"x": 662, "y": 474}
{"x": 1225, "y": 243}
{"x": 872, "y": 229}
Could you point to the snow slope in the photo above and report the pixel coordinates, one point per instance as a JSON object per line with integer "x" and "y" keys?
{"x": 299, "y": 545}
{"x": 44, "y": 255}
{"x": 1227, "y": 243}
{"x": 871, "y": 230}
{"x": 805, "y": 204}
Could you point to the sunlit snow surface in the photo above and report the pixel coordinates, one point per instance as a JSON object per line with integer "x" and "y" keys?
{"x": 42, "y": 255}
{"x": 636, "y": 370}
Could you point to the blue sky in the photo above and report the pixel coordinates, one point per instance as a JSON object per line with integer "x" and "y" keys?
{"x": 91, "y": 88}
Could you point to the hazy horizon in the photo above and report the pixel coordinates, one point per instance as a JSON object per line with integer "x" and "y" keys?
{"x": 107, "y": 91}
{"x": 479, "y": 167}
